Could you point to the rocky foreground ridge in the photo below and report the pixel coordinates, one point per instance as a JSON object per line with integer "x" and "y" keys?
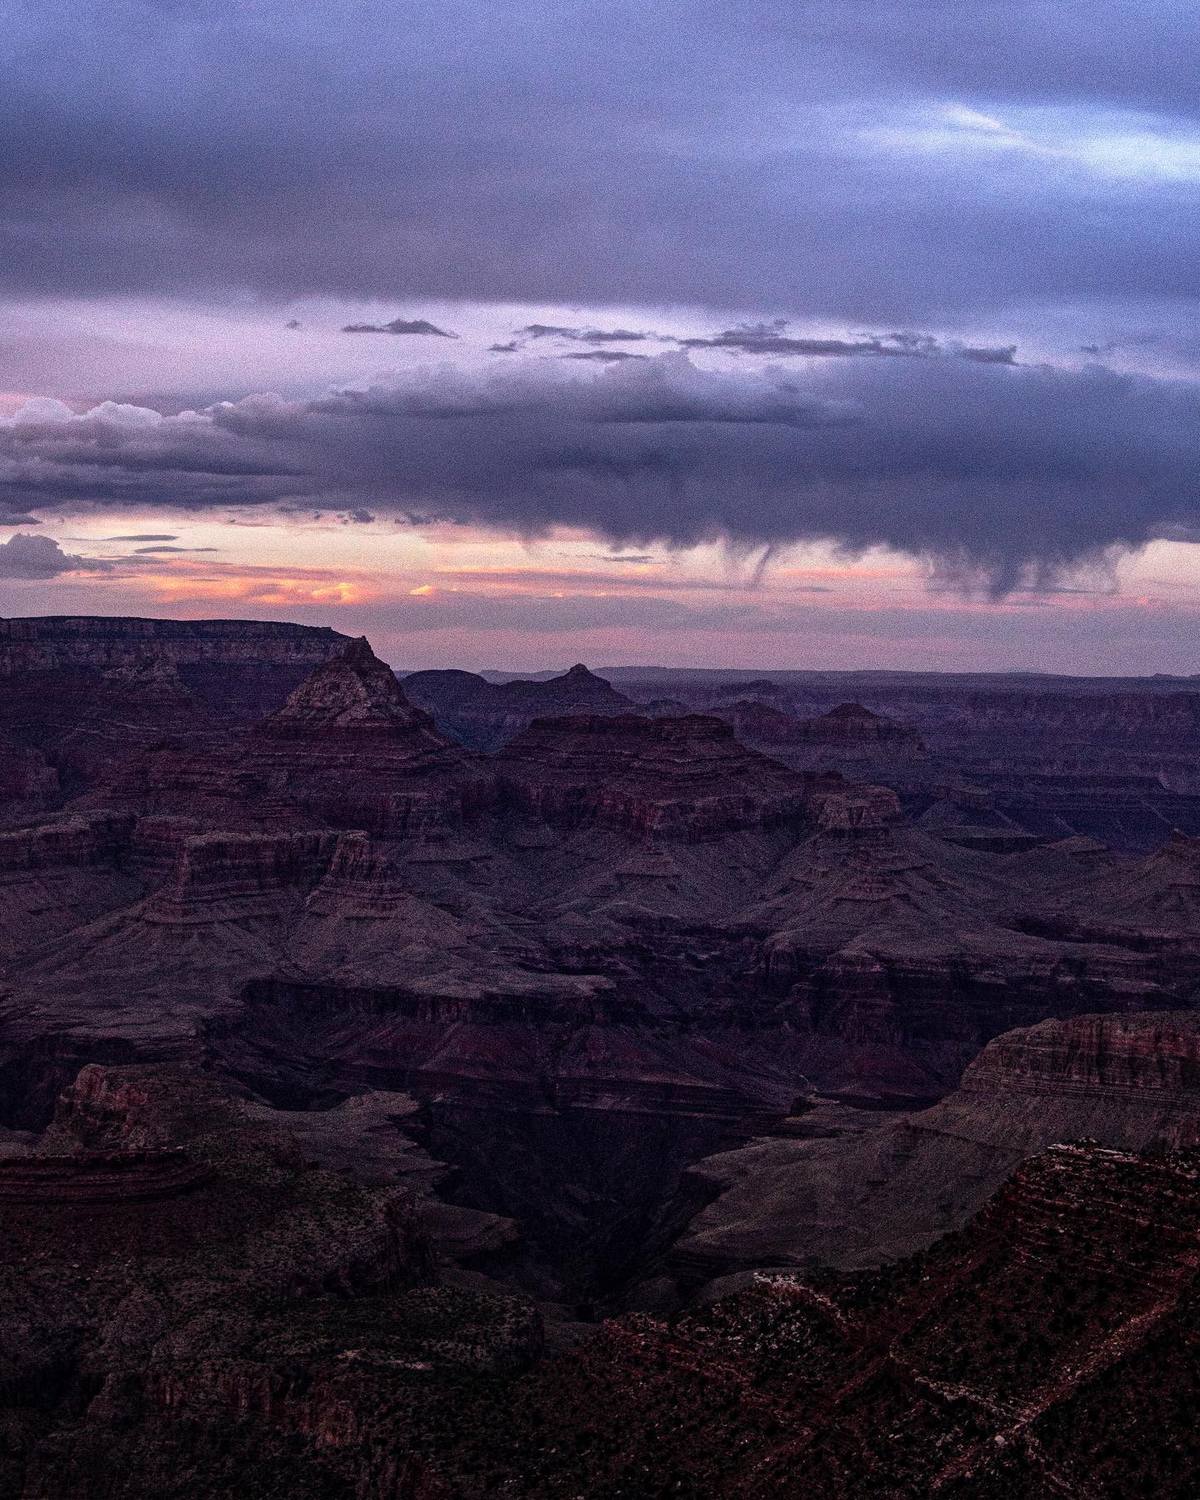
{"x": 191, "y": 1306}
{"x": 242, "y": 1319}
{"x": 1047, "y": 1350}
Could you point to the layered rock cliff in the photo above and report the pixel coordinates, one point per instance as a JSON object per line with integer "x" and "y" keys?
{"x": 617, "y": 929}
{"x": 90, "y": 691}
{"x": 849, "y": 1190}
{"x": 102, "y": 643}
{"x": 685, "y": 777}
{"x": 848, "y": 726}
{"x": 346, "y": 750}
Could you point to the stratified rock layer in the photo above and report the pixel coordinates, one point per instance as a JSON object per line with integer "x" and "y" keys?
{"x": 853, "y": 1196}
{"x": 687, "y": 777}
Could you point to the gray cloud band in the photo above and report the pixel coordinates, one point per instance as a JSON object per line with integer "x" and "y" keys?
{"x": 987, "y": 470}
{"x": 702, "y": 152}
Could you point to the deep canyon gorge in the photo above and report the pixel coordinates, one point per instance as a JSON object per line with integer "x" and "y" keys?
{"x": 427, "y": 1086}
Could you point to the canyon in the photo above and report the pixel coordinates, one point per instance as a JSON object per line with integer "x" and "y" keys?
{"x": 394, "y": 1068}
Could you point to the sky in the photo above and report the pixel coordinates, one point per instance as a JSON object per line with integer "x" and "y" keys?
{"x": 852, "y": 333}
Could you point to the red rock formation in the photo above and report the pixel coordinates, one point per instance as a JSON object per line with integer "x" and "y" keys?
{"x": 346, "y": 750}
{"x": 1145, "y": 903}
{"x": 78, "y": 840}
{"x": 105, "y": 642}
{"x": 122, "y": 1177}
{"x": 847, "y": 726}
{"x": 28, "y": 782}
{"x": 238, "y": 877}
{"x": 180, "y": 1285}
{"x": 55, "y": 877}
{"x": 90, "y": 693}
{"x": 349, "y": 748}
{"x": 686, "y": 777}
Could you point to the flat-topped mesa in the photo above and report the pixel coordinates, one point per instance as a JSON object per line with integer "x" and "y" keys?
{"x": 83, "y": 839}
{"x": 361, "y": 881}
{"x": 856, "y": 811}
{"x": 89, "y": 688}
{"x": 103, "y": 643}
{"x": 688, "y": 777}
{"x": 847, "y": 727}
{"x": 854, "y": 723}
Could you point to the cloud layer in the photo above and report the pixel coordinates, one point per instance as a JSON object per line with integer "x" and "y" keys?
{"x": 419, "y": 326}
{"x": 989, "y": 471}
{"x": 29, "y": 557}
{"x": 853, "y": 158}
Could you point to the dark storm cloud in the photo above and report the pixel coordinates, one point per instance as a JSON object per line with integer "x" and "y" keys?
{"x": 547, "y": 331}
{"x": 1005, "y": 355}
{"x": 534, "y": 331}
{"x": 603, "y": 356}
{"x": 400, "y": 325}
{"x": 989, "y": 471}
{"x": 699, "y": 152}
{"x": 773, "y": 339}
